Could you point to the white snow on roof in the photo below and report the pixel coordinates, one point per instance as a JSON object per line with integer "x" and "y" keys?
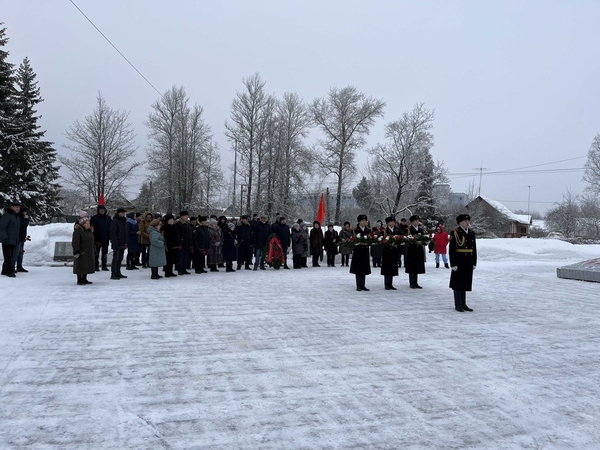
{"x": 521, "y": 218}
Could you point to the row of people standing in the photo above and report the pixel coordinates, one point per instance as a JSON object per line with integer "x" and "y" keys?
{"x": 13, "y": 235}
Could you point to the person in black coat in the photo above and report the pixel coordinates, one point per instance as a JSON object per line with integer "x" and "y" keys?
{"x": 118, "y": 243}
{"x": 9, "y": 237}
{"x": 331, "y": 240}
{"x": 282, "y": 231}
{"x": 463, "y": 260}
{"x": 244, "y": 237}
{"x": 186, "y": 242}
{"x": 260, "y": 237}
{"x": 101, "y": 225}
{"x": 360, "y": 265}
{"x": 403, "y": 231}
{"x": 201, "y": 245}
{"x": 23, "y": 237}
{"x": 415, "y": 254}
{"x": 230, "y": 247}
{"x": 389, "y": 258}
{"x": 133, "y": 241}
{"x": 172, "y": 244}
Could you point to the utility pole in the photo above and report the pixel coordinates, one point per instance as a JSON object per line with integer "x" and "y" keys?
{"x": 481, "y": 169}
{"x": 234, "y": 178}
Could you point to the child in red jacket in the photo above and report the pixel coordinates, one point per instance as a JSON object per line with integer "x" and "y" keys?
{"x": 440, "y": 238}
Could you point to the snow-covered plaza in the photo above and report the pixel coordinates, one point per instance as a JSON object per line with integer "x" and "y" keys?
{"x": 297, "y": 359}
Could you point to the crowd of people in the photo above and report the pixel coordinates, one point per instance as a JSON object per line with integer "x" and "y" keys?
{"x": 179, "y": 245}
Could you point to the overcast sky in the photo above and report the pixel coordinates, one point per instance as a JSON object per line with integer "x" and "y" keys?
{"x": 514, "y": 84}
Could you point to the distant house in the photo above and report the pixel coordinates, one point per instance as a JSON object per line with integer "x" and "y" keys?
{"x": 504, "y": 222}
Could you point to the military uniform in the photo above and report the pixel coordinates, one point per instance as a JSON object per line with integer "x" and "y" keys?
{"x": 360, "y": 265}
{"x": 463, "y": 259}
{"x": 414, "y": 261}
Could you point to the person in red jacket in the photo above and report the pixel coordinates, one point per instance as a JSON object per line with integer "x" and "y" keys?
{"x": 440, "y": 239}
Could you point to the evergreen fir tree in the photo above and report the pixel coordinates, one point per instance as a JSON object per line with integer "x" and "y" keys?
{"x": 425, "y": 200}
{"x": 38, "y": 187}
{"x": 8, "y": 126}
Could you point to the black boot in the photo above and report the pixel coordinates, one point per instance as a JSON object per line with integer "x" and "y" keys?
{"x": 437, "y": 265}
{"x": 416, "y": 278}
{"x": 463, "y": 296}
{"x": 229, "y": 267}
{"x": 358, "y": 282}
{"x": 364, "y": 280}
{"x": 387, "y": 282}
{"x": 155, "y": 275}
{"x": 446, "y": 265}
{"x": 80, "y": 280}
{"x": 85, "y": 280}
{"x": 458, "y": 301}
{"x": 411, "y": 280}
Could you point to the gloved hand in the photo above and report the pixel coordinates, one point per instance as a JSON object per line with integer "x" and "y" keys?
{"x": 455, "y": 268}
{"x": 474, "y": 267}
{"x": 76, "y": 255}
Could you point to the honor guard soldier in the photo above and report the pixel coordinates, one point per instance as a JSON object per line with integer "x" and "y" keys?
{"x": 463, "y": 260}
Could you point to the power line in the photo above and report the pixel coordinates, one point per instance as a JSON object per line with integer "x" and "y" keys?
{"x": 521, "y": 171}
{"x": 115, "y": 47}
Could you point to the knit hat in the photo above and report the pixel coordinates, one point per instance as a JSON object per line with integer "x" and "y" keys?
{"x": 231, "y": 225}
{"x": 83, "y": 214}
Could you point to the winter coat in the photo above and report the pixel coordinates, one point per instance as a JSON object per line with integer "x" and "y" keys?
{"x": 171, "y": 236}
{"x": 344, "y": 236}
{"x": 282, "y": 231}
{"x": 23, "y": 224}
{"x": 331, "y": 242}
{"x": 377, "y": 250}
{"x": 360, "y": 264}
{"x": 101, "y": 225}
{"x": 133, "y": 238}
{"x": 229, "y": 245}
{"x": 298, "y": 242}
{"x": 389, "y": 257}
{"x": 84, "y": 251}
{"x": 316, "y": 241}
{"x": 9, "y": 227}
{"x": 304, "y": 233}
{"x": 144, "y": 234}
{"x": 262, "y": 231}
{"x": 118, "y": 233}
{"x": 186, "y": 234}
{"x": 157, "y": 256}
{"x": 244, "y": 235}
{"x": 463, "y": 255}
{"x": 215, "y": 252}
{"x": 414, "y": 260}
{"x": 201, "y": 239}
{"x": 440, "y": 239}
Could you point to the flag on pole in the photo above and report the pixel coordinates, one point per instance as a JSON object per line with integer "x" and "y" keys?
{"x": 321, "y": 212}
{"x": 101, "y": 199}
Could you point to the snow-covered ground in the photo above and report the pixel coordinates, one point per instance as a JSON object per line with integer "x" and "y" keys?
{"x": 297, "y": 359}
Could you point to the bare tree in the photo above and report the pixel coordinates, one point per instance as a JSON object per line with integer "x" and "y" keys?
{"x": 402, "y": 161}
{"x": 247, "y": 112}
{"x": 344, "y": 117}
{"x": 179, "y": 140}
{"x": 211, "y": 177}
{"x": 103, "y": 148}
{"x": 592, "y": 166}
{"x": 563, "y": 217}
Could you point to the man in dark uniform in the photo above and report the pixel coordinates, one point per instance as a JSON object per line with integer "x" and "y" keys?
{"x": 389, "y": 260}
{"x": 403, "y": 230}
{"x": 463, "y": 260}
{"x": 360, "y": 265}
{"x": 414, "y": 260}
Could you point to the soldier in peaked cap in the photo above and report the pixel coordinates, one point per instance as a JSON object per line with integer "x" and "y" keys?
{"x": 415, "y": 254}
{"x": 360, "y": 265}
{"x": 463, "y": 260}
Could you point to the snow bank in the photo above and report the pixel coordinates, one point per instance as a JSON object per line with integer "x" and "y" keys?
{"x": 40, "y": 251}
{"x": 534, "y": 250}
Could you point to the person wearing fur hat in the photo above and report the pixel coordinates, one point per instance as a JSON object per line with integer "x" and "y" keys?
{"x": 186, "y": 242}
{"x": 389, "y": 258}
{"x": 101, "y": 225}
{"x": 214, "y": 258}
{"x": 171, "y": 236}
{"x": 415, "y": 254}
{"x": 201, "y": 244}
{"x": 331, "y": 240}
{"x": 360, "y": 265}
{"x": 9, "y": 237}
{"x": 157, "y": 256}
{"x": 84, "y": 253}
{"x": 463, "y": 260}
{"x": 316, "y": 243}
{"x": 118, "y": 243}
{"x": 230, "y": 243}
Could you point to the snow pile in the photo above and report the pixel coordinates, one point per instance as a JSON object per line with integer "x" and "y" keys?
{"x": 521, "y": 218}
{"x": 40, "y": 251}
{"x": 491, "y": 250}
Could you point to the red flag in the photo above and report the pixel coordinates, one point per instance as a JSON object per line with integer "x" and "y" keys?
{"x": 321, "y": 211}
{"x": 101, "y": 200}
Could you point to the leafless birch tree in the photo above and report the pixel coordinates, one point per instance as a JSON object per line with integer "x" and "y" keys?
{"x": 103, "y": 147}
{"x": 344, "y": 117}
